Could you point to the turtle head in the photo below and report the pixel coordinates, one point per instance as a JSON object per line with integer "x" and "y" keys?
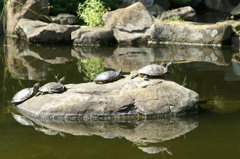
{"x": 169, "y": 65}
{"x": 36, "y": 85}
{"x": 61, "y": 80}
{"x": 119, "y": 71}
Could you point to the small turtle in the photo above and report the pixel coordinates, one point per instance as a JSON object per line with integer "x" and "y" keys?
{"x": 108, "y": 76}
{"x": 52, "y": 87}
{"x": 153, "y": 71}
{"x": 24, "y": 94}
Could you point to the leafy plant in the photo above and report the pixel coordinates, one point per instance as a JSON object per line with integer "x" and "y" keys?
{"x": 91, "y": 12}
{"x": 71, "y": 6}
{"x": 91, "y": 68}
{"x": 184, "y": 83}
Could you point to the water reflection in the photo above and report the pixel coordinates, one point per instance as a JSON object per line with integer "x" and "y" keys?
{"x": 155, "y": 149}
{"x": 146, "y": 134}
{"x": 32, "y": 62}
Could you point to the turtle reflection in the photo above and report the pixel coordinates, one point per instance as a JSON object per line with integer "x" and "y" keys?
{"x": 155, "y": 149}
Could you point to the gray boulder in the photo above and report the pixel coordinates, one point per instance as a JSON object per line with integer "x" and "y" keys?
{"x": 65, "y": 19}
{"x": 156, "y": 10}
{"x": 93, "y": 36}
{"x": 130, "y": 24}
{"x": 122, "y": 98}
{"x": 219, "y": 5}
{"x": 185, "y": 13}
{"x": 38, "y": 32}
{"x": 190, "y": 33}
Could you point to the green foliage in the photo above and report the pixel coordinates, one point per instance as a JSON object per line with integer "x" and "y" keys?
{"x": 182, "y": 1}
{"x": 71, "y": 6}
{"x": 91, "y": 68}
{"x": 173, "y": 18}
{"x": 184, "y": 83}
{"x": 91, "y": 12}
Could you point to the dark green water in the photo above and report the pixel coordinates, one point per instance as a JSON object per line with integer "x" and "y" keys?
{"x": 213, "y": 132}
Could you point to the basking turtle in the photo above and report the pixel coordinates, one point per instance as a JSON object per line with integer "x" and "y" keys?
{"x": 24, "y": 94}
{"x": 52, "y": 87}
{"x": 108, "y": 76}
{"x": 153, "y": 71}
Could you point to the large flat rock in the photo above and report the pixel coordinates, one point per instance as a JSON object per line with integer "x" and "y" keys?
{"x": 179, "y": 32}
{"x": 125, "y": 97}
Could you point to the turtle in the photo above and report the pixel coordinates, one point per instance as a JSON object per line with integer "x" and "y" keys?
{"x": 153, "y": 70}
{"x": 52, "y": 87}
{"x": 108, "y": 76}
{"x": 24, "y": 94}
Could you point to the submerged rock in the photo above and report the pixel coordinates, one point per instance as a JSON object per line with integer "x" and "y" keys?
{"x": 121, "y": 98}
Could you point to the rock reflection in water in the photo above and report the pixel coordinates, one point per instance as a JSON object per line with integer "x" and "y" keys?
{"x": 31, "y": 62}
{"x": 130, "y": 58}
{"x": 27, "y": 122}
{"x": 146, "y": 132}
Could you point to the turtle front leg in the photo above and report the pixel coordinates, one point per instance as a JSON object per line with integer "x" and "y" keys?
{"x": 100, "y": 82}
{"x": 37, "y": 94}
{"x": 134, "y": 75}
{"x": 146, "y": 78}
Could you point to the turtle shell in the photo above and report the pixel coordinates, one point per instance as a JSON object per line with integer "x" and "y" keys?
{"x": 53, "y": 87}
{"x": 108, "y": 76}
{"x": 24, "y": 94}
{"x": 153, "y": 70}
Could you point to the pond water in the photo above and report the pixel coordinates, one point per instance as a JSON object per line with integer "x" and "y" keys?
{"x": 213, "y": 132}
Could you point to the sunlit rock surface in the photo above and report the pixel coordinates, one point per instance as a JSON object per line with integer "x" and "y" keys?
{"x": 190, "y": 33}
{"x": 129, "y": 24}
{"x": 93, "y": 36}
{"x": 65, "y": 19}
{"x": 125, "y": 97}
{"x": 185, "y": 13}
{"x": 39, "y": 32}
